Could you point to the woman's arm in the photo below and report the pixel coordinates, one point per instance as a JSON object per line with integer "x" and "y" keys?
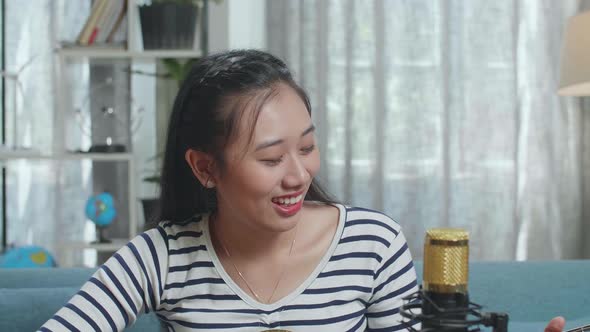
{"x": 395, "y": 279}
{"x": 127, "y": 285}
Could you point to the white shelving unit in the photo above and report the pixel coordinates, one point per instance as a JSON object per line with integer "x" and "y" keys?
{"x": 131, "y": 218}
{"x": 133, "y": 52}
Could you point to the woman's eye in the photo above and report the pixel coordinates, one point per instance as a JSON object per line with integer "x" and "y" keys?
{"x": 308, "y": 149}
{"x": 272, "y": 162}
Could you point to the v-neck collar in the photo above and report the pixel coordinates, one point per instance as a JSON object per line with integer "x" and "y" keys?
{"x": 297, "y": 291}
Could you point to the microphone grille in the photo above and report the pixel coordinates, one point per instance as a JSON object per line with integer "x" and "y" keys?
{"x": 446, "y": 260}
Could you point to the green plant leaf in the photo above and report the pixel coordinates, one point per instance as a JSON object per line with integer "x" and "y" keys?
{"x": 152, "y": 179}
{"x": 178, "y": 69}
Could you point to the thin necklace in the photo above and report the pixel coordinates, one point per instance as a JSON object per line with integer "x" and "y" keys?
{"x": 241, "y": 275}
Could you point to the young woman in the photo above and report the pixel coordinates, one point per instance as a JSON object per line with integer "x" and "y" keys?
{"x": 249, "y": 240}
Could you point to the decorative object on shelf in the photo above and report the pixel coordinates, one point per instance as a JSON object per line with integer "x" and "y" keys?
{"x": 100, "y": 209}
{"x": 169, "y": 24}
{"x": 110, "y": 116}
{"x": 27, "y": 257}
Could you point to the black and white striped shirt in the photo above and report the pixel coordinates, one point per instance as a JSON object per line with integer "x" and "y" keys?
{"x": 174, "y": 271}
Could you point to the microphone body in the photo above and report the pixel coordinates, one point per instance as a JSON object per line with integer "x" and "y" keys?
{"x": 446, "y": 274}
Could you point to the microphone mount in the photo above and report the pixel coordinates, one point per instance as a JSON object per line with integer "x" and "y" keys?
{"x": 445, "y": 319}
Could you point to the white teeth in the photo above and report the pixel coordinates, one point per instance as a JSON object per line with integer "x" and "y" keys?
{"x": 288, "y": 200}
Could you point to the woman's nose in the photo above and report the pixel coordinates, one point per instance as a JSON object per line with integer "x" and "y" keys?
{"x": 297, "y": 173}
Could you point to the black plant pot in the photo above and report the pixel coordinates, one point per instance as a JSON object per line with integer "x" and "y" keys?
{"x": 168, "y": 25}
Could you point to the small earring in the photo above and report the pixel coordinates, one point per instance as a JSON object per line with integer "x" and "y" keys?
{"x": 209, "y": 183}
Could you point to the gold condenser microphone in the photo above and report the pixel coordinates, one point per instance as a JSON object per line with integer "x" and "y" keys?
{"x": 443, "y": 299}
{"x": 446, "y": 273}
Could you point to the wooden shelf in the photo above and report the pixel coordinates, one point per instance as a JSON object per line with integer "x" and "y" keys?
{"x": 98, "y": 156}
{"x": 113, "y": 246}
{"x": 24, "y": 154}
{"x": 110, "y": 53}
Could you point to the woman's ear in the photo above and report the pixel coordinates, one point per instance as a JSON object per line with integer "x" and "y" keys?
{"x": 202, "y": 165}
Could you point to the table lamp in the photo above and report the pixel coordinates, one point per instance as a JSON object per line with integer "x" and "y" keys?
{"x": 575, "y": 57}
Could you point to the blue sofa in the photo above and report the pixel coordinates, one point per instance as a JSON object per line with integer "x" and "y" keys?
{"x": 29, "y": 297}
{"x": 530, "y": 292}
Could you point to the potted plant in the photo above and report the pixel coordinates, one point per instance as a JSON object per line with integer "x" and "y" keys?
{"x": 169, "y": 24}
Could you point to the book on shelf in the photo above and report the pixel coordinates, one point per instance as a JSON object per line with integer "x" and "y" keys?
{"x": 117, "y": 23}
{"x": 97, "y": 8}
{"x": 104, "y": 20}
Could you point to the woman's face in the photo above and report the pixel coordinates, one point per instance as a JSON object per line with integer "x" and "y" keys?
{"x": 264, "y": 181}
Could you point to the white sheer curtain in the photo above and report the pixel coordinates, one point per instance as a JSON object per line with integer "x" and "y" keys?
{"x": 445, "y": 113}
{"x": 45, "y": 198}
{"x": 32, "y": 185}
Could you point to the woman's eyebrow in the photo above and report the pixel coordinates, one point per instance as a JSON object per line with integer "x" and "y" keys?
{"x": 274, "y": 142}
{"x": 308, "y": 130}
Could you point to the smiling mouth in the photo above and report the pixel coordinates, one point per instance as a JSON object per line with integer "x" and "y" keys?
{"x": 287, "y": 201}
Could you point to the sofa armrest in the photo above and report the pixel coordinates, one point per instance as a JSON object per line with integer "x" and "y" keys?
{"x": 44, "y": 277}
{"x": 26, "y": 309}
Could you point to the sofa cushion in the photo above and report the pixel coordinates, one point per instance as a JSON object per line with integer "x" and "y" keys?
{"x": 26, "y": 309}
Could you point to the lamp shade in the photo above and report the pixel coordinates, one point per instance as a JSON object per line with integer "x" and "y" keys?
{"x": 575, "y": 57}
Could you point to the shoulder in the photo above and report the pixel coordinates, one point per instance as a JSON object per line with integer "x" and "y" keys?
{"x": 367, "y": 219}
{"x": 374, "y": 221}
{"x": 166, "y": 231}
{"x": 171, "y": 228}
{"x": 182, "y": 233}
{"x": 373, "y": 228}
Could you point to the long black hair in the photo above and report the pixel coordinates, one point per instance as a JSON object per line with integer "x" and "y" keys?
{"x": 207, "y": 110}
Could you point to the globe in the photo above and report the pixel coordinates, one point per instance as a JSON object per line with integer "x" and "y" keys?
{"x": 26, "y": 257}
{"x": 100, "y": 209}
